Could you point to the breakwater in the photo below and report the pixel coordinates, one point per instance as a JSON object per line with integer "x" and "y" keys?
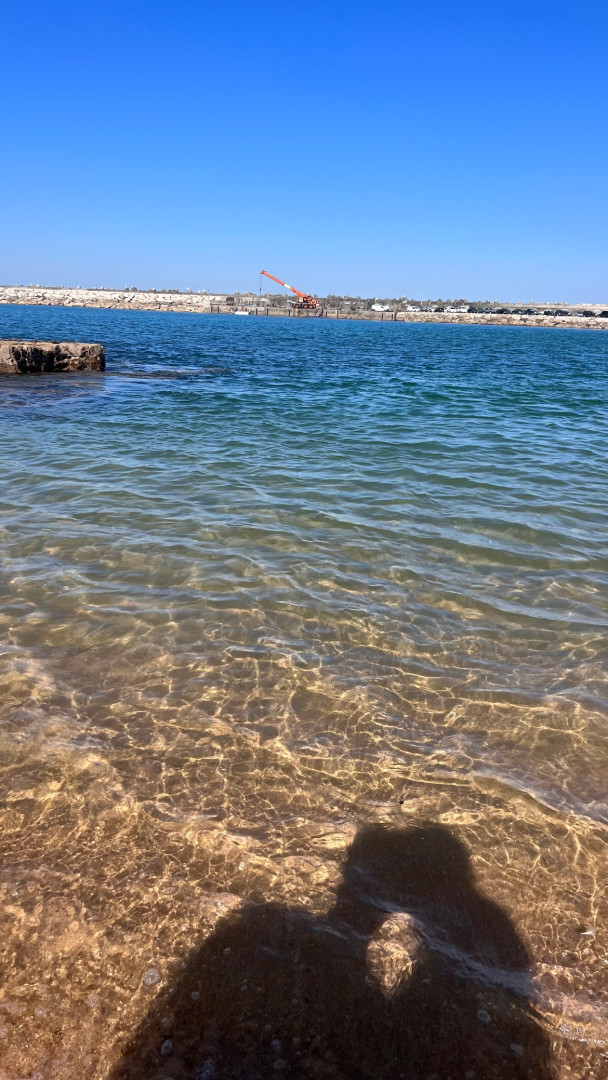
{"x": 208, "y": 304}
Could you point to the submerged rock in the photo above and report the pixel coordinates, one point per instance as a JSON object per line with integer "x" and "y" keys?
{"x": 34, "y": 357}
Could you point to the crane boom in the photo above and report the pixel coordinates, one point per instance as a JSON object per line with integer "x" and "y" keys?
{"x": 305, "y": 299}
{"x": 284, "y": 283}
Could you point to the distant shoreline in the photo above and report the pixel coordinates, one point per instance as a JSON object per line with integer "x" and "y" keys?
{"x": 205, "y": 304}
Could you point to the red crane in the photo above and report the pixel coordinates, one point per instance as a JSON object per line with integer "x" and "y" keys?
{"x": 305, "y": 300}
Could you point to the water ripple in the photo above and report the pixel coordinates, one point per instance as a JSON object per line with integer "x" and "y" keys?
{"x": 262, "y": 582}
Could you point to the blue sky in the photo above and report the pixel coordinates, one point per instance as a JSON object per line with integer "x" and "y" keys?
{"x": 434, "y": 150}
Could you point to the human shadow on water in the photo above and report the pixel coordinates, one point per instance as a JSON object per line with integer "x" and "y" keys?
{"x": 276, "y": 992}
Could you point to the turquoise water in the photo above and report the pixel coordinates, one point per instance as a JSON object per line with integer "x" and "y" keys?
{"x": 263, "y": 581}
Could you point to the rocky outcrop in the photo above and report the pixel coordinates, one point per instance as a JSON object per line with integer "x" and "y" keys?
{"x": 35, "y": 357}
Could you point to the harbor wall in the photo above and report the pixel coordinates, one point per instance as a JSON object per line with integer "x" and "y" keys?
{"x": 202, "y": 303}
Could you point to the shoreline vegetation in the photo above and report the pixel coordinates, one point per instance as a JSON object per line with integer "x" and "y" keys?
{"x": 279, "y": 306}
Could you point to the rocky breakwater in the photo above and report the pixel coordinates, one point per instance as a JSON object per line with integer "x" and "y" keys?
{"x": 120, "y": 299}
{"x": 36, "y": 357}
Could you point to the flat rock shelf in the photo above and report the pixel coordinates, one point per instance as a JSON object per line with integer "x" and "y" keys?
{"x": 36, "y": 357}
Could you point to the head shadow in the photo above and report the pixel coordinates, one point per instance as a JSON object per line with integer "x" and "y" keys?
{"x": 275, "y": 991}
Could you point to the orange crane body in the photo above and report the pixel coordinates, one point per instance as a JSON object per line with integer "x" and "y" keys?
{"x": 305, "y": 300}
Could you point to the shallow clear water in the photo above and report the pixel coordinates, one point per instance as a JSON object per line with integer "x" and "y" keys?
{"x": 263, "y": 582}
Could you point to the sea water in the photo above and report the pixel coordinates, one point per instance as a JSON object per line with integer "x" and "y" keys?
{"x": 264, "y": 582}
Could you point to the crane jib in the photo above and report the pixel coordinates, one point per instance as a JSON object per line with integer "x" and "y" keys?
{"x": 304, "y": 299}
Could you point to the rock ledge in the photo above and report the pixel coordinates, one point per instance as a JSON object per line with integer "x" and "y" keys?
{"x": 34, "y": 357}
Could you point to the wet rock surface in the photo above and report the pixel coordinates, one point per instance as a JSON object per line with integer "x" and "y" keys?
{"x": 35, "y": 357}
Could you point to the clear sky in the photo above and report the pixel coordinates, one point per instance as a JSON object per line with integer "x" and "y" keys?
{"x": 429, "y": 149}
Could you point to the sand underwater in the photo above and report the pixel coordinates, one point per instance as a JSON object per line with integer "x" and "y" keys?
{"x": 303, "y": 710}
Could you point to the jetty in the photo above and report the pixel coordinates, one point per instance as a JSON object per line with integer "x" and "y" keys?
{"x": 584, "y": 317}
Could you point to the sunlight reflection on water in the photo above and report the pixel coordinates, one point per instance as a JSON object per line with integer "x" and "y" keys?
{"x": 263, "y": 583}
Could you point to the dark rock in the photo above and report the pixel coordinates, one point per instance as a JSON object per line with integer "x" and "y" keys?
{"x": 34, "y": 357}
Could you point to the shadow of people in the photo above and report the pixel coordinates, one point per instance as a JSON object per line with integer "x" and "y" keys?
{"x": 276, "y": 992}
